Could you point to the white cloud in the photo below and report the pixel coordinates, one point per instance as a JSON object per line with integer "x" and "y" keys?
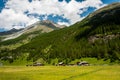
{"x": 13, "y": 14}
{"x": 63, "y": 23}
{"x": 10, "y": 19}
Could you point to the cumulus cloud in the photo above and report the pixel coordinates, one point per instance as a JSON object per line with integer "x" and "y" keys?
{"x": 13, "y": 15}
{"x": 10, "y": 19}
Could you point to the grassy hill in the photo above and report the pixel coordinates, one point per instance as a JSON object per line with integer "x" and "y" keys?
{"x": 97, "y": 36}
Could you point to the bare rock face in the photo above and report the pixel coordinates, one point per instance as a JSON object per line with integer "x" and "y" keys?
{"x": 104, "y": 38}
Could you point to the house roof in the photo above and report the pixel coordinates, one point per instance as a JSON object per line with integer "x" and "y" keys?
{"x": 60, "y": 62}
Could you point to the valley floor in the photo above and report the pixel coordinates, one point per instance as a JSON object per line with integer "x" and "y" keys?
{"x": 60, "y": 73}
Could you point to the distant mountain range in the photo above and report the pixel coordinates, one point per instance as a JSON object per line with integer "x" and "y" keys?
{"x": 40, "y": 26}
{"x": 98, "y": 36}
{"x": 10, "y": 31}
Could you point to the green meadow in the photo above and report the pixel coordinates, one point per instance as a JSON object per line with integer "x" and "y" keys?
{"x": 60, "y": 73}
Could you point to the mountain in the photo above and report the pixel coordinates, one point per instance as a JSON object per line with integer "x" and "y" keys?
{"x": 98, "y": 36}
{"x": 10, "y": 31}
{"x": 40, "y": 27}
{"x": 45, "y": 26}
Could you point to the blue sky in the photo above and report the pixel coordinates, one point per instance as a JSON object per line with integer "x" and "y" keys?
{"x": 21, "y": 13}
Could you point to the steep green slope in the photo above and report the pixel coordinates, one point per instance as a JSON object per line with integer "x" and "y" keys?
{"x": 95, "y": 36}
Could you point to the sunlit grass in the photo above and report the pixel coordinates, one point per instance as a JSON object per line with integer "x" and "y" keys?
{"x": 60, "y": 73}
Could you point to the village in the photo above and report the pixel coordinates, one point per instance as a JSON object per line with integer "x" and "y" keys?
{"x": 81, "y": 63}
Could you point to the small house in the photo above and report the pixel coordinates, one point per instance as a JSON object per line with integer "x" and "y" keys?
{"x": 61, "y": 64}
{"x": 83, "y": 63}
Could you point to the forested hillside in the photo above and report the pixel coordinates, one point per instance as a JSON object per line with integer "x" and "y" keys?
{"x": 98, "y": 35}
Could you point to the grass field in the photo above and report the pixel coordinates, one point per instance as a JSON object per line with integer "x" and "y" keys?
{"x": 60, "y": 73}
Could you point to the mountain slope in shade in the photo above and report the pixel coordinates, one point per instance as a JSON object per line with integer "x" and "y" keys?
{"x": 95, "y": 36}
{"x": 106, "y": 15}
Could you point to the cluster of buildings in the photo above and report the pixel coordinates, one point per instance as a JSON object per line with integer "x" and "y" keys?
{"x": 82, "y": 63}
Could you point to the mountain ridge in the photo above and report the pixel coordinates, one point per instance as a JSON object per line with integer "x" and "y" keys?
{"x": 13, "y": 30}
